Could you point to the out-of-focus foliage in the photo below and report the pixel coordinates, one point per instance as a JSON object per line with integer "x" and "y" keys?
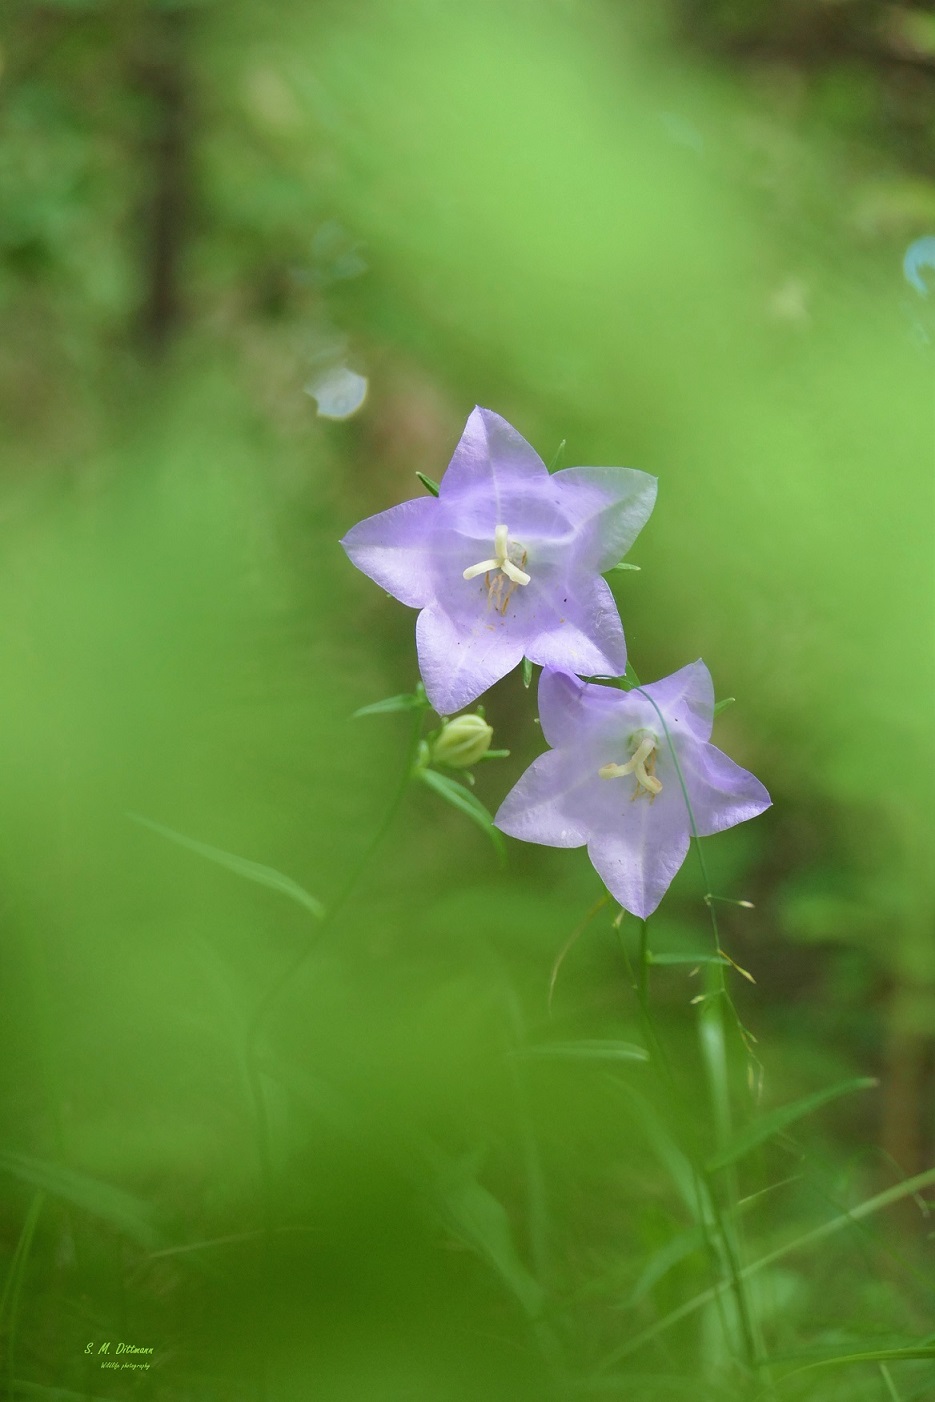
{"x": 672, "y": 236}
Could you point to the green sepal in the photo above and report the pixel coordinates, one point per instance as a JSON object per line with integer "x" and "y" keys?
{"x": 527, "y": 672}
{"x": 428, "y": 483}
{"x": 629, "y": 679}
{"x": 558, "y": 455}
{"x": 720, "y": 706}
{"x": 624, "y": 565}
{"x": 406, "y": 701}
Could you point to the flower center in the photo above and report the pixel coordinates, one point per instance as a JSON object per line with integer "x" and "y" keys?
{"x": 509, "y": 556}
{"x": 642, "y": 764}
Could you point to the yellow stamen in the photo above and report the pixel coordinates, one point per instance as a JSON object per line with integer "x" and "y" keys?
{"x": 501, "y": 560}
{"x": 641, "y": 764}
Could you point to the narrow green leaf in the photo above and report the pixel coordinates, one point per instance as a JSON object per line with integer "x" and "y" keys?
{"x": 527, "y": 672}
{"x": 804, "y": 1242}
{"x": 671, "y": 1254}
{"x": 686, "y": 958}
{"x": 39, "y": 1393}
{"x": 720, "y": 706}
{"x": 837, "y": 1360}
{"x": 428, "y": 483}
{"x": 241, "y": 866}
{"x": 778, "y": 1120}
{"x": 20, "y": 1256}
{"x": 684, "y": 1176}
{"x": 9, "y": 1305}
{"x": 459, "y": 797}
{"x": 472, "y": 1213}
{"x": 121, "y": 1210}
{"x": 588, "y": 1050}
{"x": 623, "y": 566}
{"x": 843, "y": 1360}
{"x": 407, "y": 701}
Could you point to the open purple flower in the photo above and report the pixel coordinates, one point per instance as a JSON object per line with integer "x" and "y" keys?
{"x": 610, "y": 780}
{"x": 507, "y": 562}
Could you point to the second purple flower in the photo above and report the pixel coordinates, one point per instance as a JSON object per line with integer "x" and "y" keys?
{"x": 614, "y": 778}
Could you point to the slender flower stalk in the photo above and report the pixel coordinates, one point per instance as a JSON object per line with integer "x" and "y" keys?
{"x": 714, "y": 1050}
{"x": 268, "y": 1001}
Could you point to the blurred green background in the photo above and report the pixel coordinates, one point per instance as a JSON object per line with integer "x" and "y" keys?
{"x": 672, "y": 236}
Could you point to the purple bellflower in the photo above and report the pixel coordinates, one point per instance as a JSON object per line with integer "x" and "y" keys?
{"x": 507, "y": 562}
{"x": 610, "y": 780}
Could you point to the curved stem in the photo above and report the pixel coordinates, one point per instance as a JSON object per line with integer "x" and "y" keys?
{"x": 266, "y": 1003}
{"x": 347, "y": 890}
{"x": 711, "y": 1031}
{"x": 708, "y": 1214}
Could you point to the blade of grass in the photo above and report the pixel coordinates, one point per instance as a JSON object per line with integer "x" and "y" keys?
{"x": 9, "y": 1305}
{"x": 587, "y": 1050}
{"x": 844, "y": 1360}
{"x": 778, "y": 1120}
{"x": 479, "y": 1220}
{"x": 130, "y": 1216}
{"x": 890, "y": 1385}
{"x": 712, "y": 1036}
{"x": 675, "y": 959}
{"x": 240, "y": 866}
{"x": 800, "y": 1243}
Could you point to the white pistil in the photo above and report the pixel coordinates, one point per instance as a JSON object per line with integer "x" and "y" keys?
{"x": 643, "y": 755}
{"x": 501, "y": 560}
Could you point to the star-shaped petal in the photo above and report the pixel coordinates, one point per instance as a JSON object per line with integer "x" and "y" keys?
{"x": 613, "y": 780}
{"x": 506, "y": 562}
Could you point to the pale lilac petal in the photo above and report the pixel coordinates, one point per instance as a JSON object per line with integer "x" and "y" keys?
{"x": 638, "y": 855}
{"x": 458, "y": 663}
{"x": 608, "y": 507}
{"x": 721, "y": 792}
{"x": 396, "y": 548}
{"x": 532, "y": 510}
{"x": 467, "y": 601}
{"x": 560, "y": 530}
{"x": 636, "y": 842}
{"x": 546, "y": 805}
{"x": 568, "y": 709}
{"x": 584, "y": 633}
{"x": 596, "y": 721}
{"x": 492, "y": 456}
{"x": 686, "y": 699}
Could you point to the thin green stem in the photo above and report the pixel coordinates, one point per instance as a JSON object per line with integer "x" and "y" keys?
{"x": 268, "y": 1001}
{"x": 9, "y": 1303}
{"x": 346, "y": 891}
{"x": 705, "y": 1202}
{"x": 890, "y": 1385}
{"x": 713, "y": 1043}
{"x": 640, "y": 982}
{"x": 799, "y": 1244}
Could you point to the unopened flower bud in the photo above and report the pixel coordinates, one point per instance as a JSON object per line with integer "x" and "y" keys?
{"x": 462, "y": 742}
